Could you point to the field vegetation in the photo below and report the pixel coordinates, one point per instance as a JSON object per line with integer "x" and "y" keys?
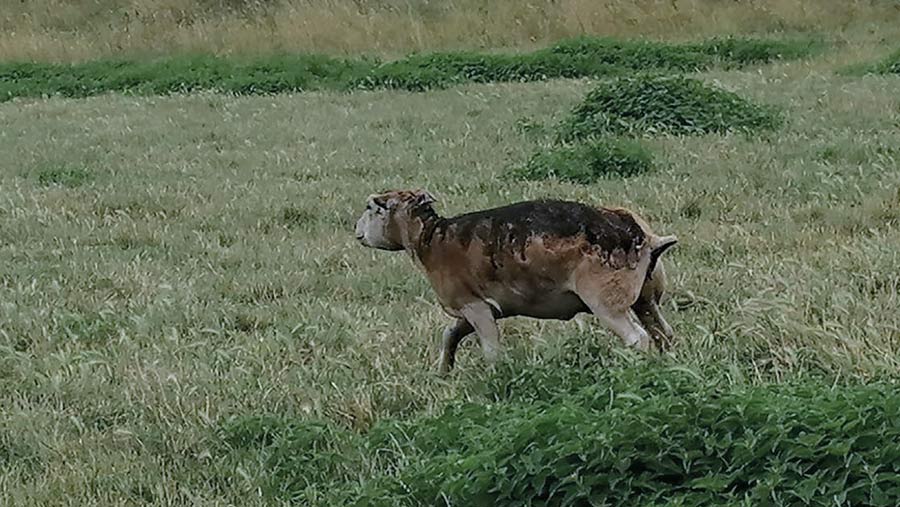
{"x": 185, "y": 317}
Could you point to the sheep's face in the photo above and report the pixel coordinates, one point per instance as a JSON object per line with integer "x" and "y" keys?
{"x": 383, "y": 221}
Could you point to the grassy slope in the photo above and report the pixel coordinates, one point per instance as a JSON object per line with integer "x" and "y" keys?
{"x": 169, "y": 263}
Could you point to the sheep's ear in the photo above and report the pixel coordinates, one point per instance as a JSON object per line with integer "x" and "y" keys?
{"x": 379, "y": 201}
{"x": 424, "y": 197}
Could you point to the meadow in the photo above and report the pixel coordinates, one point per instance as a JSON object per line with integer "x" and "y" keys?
{"x": 186, "y": 318}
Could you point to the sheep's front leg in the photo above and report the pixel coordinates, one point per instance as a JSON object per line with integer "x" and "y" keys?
{"x": 653, "y": 321}
{"x": 480, "y": 316}
{"x": 453, "y": 336}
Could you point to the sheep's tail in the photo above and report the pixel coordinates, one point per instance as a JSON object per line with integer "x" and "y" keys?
{"x": 658, "y": 246}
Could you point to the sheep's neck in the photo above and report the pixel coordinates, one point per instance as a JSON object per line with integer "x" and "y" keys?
{"x": 419, "y": 232}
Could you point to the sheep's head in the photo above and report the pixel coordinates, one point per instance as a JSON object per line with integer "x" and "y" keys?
{"x": 382, "y": 223}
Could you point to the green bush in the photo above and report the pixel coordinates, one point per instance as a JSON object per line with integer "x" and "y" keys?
{"x": 632, "y": 55}
{"x": 647, "y": 104}
{"x": 585, "y": 163}
{"x": 580, "y": 57}
{"x": 671, "y": 441}
{"x": 440, "y": 70}
{"x": 730, "y": 52}
{"x": 279, "y": 73}
{"x": 64, "y": 176}
{"x": 301, "y": 455}
{"x": 733, "y": 52}
{"x": 888, "y": 65}
{"x": 598, "y": 435}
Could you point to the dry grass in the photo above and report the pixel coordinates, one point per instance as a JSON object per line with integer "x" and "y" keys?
{"x": 65, "y": 30}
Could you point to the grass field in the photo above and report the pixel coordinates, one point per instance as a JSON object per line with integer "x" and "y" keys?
{"x": 175, "y": 270}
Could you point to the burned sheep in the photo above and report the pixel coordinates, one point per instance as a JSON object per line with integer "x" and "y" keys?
{"x": 546, "y": 259}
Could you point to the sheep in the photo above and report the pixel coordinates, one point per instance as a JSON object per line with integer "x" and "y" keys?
{"x": 546, "y": 259}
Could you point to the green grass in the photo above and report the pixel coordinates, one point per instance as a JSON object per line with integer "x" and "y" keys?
{"x": 194, "y": 323}
{"x": 589, "y": 162}
{"x": 580, "y": 57}
{"x": 654, "y": 105}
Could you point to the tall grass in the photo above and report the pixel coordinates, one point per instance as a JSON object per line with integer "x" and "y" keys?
{"x": 65, "y": 30}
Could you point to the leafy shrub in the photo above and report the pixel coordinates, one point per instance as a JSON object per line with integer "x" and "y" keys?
{"x": 246, "y": 432}
{"x": 293, "y": 216}
{"x": 889, "y": 65}
{"x": 440, "y": 70}
{"x": 95, "y": 329}
{"x": 63, "y": 175}
{"x": 647, "y": 104}
{"x": 18, "y": 452}
{"x": 579, "y": 57}
{"x": 186, "y": 73}
{"x": 732, "y": 52}
{"x": 633, "y": 55}
{"x": 300, "y": 455}
{"x": 585, "y": 163}
{"x": 630, "y": 435}
{"x": 648, "y": 55}
{"x": 215, "y": 7}
{"x": 668, "y": 442}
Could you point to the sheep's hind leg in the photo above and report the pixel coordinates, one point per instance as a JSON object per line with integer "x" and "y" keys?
{"x": 623, "y": 323}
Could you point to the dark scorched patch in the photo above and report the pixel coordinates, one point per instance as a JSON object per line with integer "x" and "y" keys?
{"x": 509, "y": 228}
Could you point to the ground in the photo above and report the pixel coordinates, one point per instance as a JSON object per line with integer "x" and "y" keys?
{"x": 170, "y": 263}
